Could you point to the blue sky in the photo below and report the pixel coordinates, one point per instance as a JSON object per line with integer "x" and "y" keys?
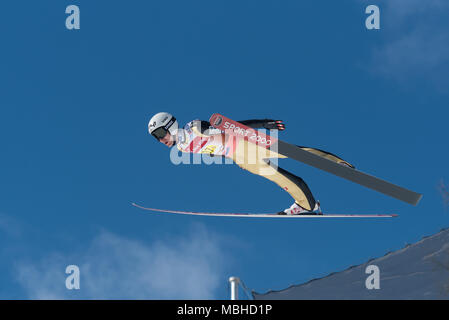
{"x": 75, "y": 151}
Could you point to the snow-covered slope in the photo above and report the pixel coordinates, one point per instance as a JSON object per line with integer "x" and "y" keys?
{"x": 418, "y": 271}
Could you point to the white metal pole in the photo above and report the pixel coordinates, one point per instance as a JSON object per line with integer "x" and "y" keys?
{"x": 234, "y": 281}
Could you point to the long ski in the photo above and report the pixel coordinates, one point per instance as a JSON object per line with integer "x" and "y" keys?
{"x": 266, "y": 215}
{"x": 294, "y": 152}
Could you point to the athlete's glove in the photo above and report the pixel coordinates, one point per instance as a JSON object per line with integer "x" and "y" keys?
{"x": 274, "y": 125}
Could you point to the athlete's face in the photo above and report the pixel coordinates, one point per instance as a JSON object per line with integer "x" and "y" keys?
{"x": 167, "y": 140}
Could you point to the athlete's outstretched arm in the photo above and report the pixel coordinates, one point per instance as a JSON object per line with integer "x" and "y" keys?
{"x": 204, "y": 127}
{"x": 264, "y": 123}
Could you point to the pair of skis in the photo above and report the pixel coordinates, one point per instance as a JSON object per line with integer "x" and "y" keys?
{"x": 266, "y": 215}
{"x": 291, "y": 151}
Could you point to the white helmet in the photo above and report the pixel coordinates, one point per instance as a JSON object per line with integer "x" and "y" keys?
{"x": 161, "y": 123}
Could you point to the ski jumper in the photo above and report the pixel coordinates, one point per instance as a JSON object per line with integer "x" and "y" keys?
{"x": 200, "y": 137}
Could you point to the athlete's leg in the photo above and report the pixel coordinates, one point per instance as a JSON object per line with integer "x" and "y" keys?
{"x": 254, "y": 159}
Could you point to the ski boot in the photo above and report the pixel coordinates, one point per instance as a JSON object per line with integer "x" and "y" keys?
{"x": 296, "y": 209}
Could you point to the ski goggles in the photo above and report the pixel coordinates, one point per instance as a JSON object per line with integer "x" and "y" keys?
{"x": 159, "y": 133}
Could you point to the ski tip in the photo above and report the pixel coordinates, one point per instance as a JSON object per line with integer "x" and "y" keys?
{"x": 418, "y": 199}
{"x": 136, "y": 205}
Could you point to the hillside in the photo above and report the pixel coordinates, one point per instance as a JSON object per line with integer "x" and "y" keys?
{"x": 418, "y": 271}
